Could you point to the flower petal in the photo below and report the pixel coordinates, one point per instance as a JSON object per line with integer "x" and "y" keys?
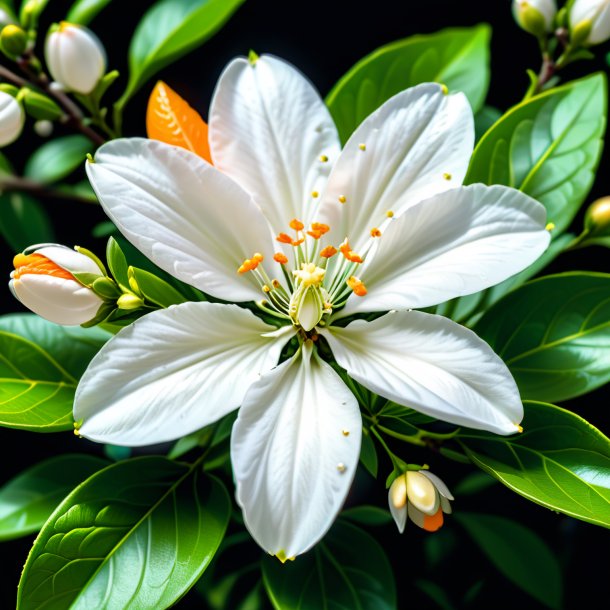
{"x": 182, "y": 213}
{"x": 295, "y": 448}
{"x": 172, "y": 372}
{"x": 457, "y": 243}
{"x": 269, "y": 130}
{"x": 416, "y": 145}
{"x": 432, "y": 365}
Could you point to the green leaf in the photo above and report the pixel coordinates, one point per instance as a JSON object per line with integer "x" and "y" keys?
{"x": 367, "y": 515}
{"x": 168, "y": 31}
{"x": 27, "y": 500}
{"x": 401, "y": 420}
{"x": 548, "y": 147}
{"x": 457, "y": 57}
{"x": 554, "y": 334}
{"x": 117, "y": 263}
{"x": 560, "y": 461}
{"x": 137, "y": 534}
{"x": 473, "y": 483}
{"x": 24, "y": 222}
{"x": 368, "y": 454}
{"x": 435, "y": 592}
{"x": 83, "y": 11}
{"x": 155, "y": 289}
{"x": 484, "y": 119}
{"x": 58, "y": 158}
{"x": 39, "y": 371}
{"x": 520, "y": 554}
{"x": 347, "y": 570}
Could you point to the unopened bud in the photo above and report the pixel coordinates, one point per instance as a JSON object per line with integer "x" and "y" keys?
{"x": 535, "y": 16}
{"x": 589, "y": 22}
{"x": 44, "y": 281}
{"x": 597, "y": 218}
{"x": 12, "y": 118}
{"x": 40, "y": 107}
{"x": 129, "y": 301}
{"x": 13, "y": 40}
{"x": 75, "y": 57}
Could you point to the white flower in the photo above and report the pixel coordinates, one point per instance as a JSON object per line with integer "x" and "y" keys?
{"x": 75, "y": 57}
{"x": 391, "y": 199}
{"x": 44, "y": 282}
{"x": 422, "y": 496}
{"x": 590, "y": 19}
{"x": 12, "y": 118}
{"x": 535, "y": 16}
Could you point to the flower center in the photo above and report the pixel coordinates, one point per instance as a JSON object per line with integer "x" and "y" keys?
{"x": 316, "y": 285}
{"x": 38, "y": 264}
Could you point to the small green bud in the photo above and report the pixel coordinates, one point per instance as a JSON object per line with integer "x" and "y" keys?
{"x": 597, "y": 218}
{"x": 41, "y": 107}
{"x": 129, "y": 301}
{"x": 10, "y": 89}
{"x": 13, "y": 40}
{"x": 106, "y": 288}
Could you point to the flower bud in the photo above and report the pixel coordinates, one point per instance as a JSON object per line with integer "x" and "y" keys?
{"x": 13, "y": 40}
{"x": 44, "y": 281}
{"x": 597, "y": 218}
{"x": 590, "y": 22}
{"x": 75, "y": 57}
{"x": 40, "y": 107}
{"x": 535, "y": 16}
{"x": 12, "y": 118}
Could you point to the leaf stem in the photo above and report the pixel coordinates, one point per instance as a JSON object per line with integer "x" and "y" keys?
{"x": 26, "y": 185}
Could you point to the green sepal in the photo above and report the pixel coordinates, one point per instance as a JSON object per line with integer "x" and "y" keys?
{"x": 41, "y": 107}
{"x": 129, "y": 302}
{"x": 154, "y": 289}
{"x": 106, "y": 288}
{"x": 101, "y": 316}
{"x": 10, "y": 89}
{"x": 580, "y": 32}
{"x": 117, "y": 263}
{"x": 86, "y": 279}
{"x": 30, "y": 13}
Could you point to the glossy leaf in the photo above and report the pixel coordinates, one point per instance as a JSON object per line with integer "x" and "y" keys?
{"x": 28, "y": 500}
{"x": 24, "y": 221}
{"x": 457, "y": 58}
{"x": 548, "y": 147}
{"x": 560, "y": 461}
{"x": 169, "y": 30}
{"x": 40, "y": 364}
{"x": 138, "y": 534}
{"x": 333, "y": 575}
{"x": 520, "y": 554}
{"x": 368, "y": 454}
{"x": 83, "y": 11}
{"x": 367, "y": 515}
{"x": 117, "y": 263}
{"x": 171, "y": 119}
{"x": 155, "y": 289}
{"x": 58, "y": 158}
{"x": 484, "y": 119}
{"x": 554, "y": 334}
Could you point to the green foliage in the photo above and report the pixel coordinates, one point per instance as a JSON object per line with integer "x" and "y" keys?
{"x": 548, "y": 147}
{"x": 40, "y": 363}
{"x": 456, "y": 57}
{"x": 169, "y": 30}
{"x": 560, "y": 461}
{"x": 367, "y": 515}
{"x": 23, "y": 221}
{"x": 368, "y": 453}
{"x": 117, "y": 263}
{"x": 58, "y": 158}
{"x": 27, "y": 500}
{"x": 155, "y": 289}
{"x": 554, "y": 334}
{"x": 83, "y": 11}
{"x": 484, "y": 119}
{"x": 137, "y": 534}
{"x": 348, "y": 570}
{"x": 520, "y": 554}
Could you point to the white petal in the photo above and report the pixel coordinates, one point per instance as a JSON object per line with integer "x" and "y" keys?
{"x": 69, "y": 259}
{"x": 292, "y": 461}
{"x": 412, "y": 143}
{"x": 173, "y": 372}
{"x": 186, "y": 216}
{"x": 432, "y": 365}
{"x": 268, "y": 130}
{"x": 438, "y": 483}
{"x": 416, "y": 515}
{"x": 397, "y": 501}
{"x": 457, "y": 243}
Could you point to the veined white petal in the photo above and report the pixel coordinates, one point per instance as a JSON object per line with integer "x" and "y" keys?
{"x": 457, "y": 243}
{"x": 172, "y": 372}
{"x": 181, "y": 212}
{"x": 416, "y": 145}
{"x": 270, "y": 130}
{"x": 438, "y": 483}
{"x": 295, "y": 448}
{"x": 430, "y": 364}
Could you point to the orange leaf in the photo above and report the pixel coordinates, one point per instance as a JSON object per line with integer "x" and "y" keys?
{"x": 169, "y": 118}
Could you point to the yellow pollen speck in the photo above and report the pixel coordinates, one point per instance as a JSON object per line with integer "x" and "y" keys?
{"x": 345, "y": 432}
{"x": 550, "y": 226}
{"x": 389, "y": 214}
{"x": 342, "y": 199}
{"x": 315, "y": 194}
{"x": 341, "y": 467}
{"x": 362, "y": 146}
{"x": 323, "y": 158}
{"x": 77, "y": 433}
{"x": 444, "y": 89}
{"x": 519, "y": 428}
{"x": 447, "y": 176}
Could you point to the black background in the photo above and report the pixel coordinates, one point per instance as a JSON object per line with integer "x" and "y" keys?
{"x": 324, "y": 39}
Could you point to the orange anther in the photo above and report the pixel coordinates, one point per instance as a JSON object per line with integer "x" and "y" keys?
{"x": 357, "y": 286}
{"x": 297, "y": 225}
{"x": 328, "y": 252}
{"x": 349, "y": 254}
{"x": 250, "y": 263}
{"x": 320, "y": 226}
{"x": 258, "y": 257}
{"x": 315, "y": 234}
{"x": 298, "y": 242}
{"x": 38, "y": 264}
{"x": 375, "y": 232}
{"x": 284, "y": 239}
{"x": 278, "y": 257}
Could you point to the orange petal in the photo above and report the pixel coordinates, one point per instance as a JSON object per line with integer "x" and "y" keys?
{"x": 39, "y": 265}
{"x": 434, "y": 522}
{"x": 169, "y": 118}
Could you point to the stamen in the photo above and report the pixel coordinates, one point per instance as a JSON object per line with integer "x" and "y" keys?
{"x": 389, "y": 214}
{"x": 250, "y": 264}
{"x": 357, "y": 286}
{"x": 284, "y": 239}
{"x": 328, "y": 252}
{"x": 315, "y": 194}
{"x": 349, "y": 254}
{"x": 447, "y": 176}
{"x": 362, "y": 147}
{"x": 280, "y": 258}
{"x": 276, "y": 284}
{"x": 296, "y": 224}
{"x": 375, "y": 232}
{"x": 318, "y": 229}
{"x": 266, "y": 288}
{"x": 323, "y": 158}
{"x": 342, "y": 199}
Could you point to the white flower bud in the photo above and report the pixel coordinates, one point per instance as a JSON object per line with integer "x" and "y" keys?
{"x": 535, "y": 16}
{"x": 590, "y": 21}
{"x": 43, "y": 280}
{"x": 12, "y": 118}
{"x": 75, "y": 57}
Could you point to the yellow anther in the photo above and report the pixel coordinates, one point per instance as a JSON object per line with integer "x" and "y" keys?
{"x": 389, "y": 214}
{"x": 550, "y": 226}
{"x": 341, "y": 467}
{"x": 281, "y": 258}
{"x": 519, "y": 428}
{"x": 250, "y": 263}
{"x": 315, "y": 194}
{"x": 444, "y": 89}
{"x": 357, "y": 286}
{"x": 323, "y": 158}
{"x": 362, "y": 146}
{"x": 328, "y": 252}
{"x": 345, "y": 432}
{"x": 309, "y": 274}
{"x": 342, "y": 199}
{"x": 296, "y": 224}
{"x": 375, "y": 232}
{"x": 447, "y": 176}
{"x": 327, "y": 305}
{"x": 275, "y": 284}
{"x": 258, "y": 257}
{"x": 266, "y": 288}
